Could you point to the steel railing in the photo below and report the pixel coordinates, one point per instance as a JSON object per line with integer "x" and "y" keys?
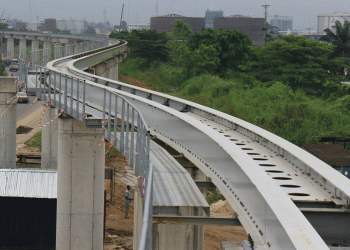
{"x": 123, "y": 124}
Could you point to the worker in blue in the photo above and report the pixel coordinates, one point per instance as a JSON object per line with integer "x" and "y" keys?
{"x": 127, "y": 201}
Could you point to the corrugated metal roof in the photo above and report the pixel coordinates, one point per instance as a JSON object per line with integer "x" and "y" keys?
{"x": 173, "y": 185}
{"x": 330, "y": 153}
{"x": 28, "y": 183}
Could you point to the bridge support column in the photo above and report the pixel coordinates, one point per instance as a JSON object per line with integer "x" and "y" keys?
{"x": 23, "y": 48}
{"x": 80, "y": 186}
{"x": 47, "y": 51}
{"x": 69, "y": 49}
{"x": 8, "y": 90}
{"x": 49, "y": 140}
{"x": 58, "y": 50}
{"x": 10, "y": 48}
{"x": 35, "y": 54}
{"x": 138, "y": 212}
{"x": 113, "y": 72}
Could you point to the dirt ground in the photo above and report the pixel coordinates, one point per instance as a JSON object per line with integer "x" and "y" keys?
{"x": 135, "y": 82}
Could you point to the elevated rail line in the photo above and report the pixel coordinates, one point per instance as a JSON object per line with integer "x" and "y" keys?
{"x": 263, "y": 176}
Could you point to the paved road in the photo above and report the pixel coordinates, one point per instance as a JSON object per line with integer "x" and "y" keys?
{"x": 25, "y": 109}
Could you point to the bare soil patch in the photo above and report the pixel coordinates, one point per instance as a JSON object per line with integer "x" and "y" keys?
{"x": 23, "y": 130}
{"x": 136, "y": 82}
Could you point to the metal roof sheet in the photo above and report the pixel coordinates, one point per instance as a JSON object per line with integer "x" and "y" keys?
{"x": 28, "y": 183}
{"x": 173, "y": 185}
{"x": 330, "y": 153}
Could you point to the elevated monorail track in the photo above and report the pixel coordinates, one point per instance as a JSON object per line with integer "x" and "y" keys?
{"x": 267, "y": 180}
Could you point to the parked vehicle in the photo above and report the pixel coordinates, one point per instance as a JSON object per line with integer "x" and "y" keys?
{"x": 14, "y": 65}
{"x": 22, "y": 97}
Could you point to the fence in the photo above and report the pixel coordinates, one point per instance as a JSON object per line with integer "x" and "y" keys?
{"x": 123, "y": 124}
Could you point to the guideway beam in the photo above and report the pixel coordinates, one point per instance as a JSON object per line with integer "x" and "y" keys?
{"x": 80, "y": 186}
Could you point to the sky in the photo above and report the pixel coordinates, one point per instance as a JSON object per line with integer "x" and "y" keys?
{"x": 304, "y": 12}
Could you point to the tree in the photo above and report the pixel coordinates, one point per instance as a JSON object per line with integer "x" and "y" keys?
{"x": 203, "y": 60}
{"x": 296, "y": 61}
{"x": 232, "y": 46}
{"x": 340, "y": 38}
{"x": 90, "y": 31}
{"x": 176, "y": 46}
{"x": 148, "y": 44}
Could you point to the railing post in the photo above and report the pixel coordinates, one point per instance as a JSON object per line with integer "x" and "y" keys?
{"x": 122, "y": 144}
{"x": 84, "y": 86}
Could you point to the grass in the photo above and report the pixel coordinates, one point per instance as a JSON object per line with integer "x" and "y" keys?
{"x": 113, "y": 152}
{"x": 291, "y": 114}
{"x": 35, "y": 141}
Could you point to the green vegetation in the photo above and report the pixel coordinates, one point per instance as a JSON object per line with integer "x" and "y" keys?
{"x": 291, "y": 87}
{"x": 35, "y": 141}
{"x": 214, "y": 197}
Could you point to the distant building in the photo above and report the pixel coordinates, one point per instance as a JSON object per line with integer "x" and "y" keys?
{"x": 50, "y": 24}
{"x": 21, "y": 25}
{"x": 328, "y": 21}
{"x": 211, "y": 15}
{"x": 34, "y": 26}
{"x": 164, "y": 23}
{"x": 251, "y": 26}
{"x": 284, "y": 23}
{"x": 74, "y": 26}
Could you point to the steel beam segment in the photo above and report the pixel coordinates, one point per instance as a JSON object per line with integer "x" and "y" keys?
{"x": 195, "y": 220}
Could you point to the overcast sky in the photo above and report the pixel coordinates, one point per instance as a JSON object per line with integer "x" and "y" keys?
{"x": 304, "y": 12}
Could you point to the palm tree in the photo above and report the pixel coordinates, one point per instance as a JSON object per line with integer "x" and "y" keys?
{"x": 340, "y": 38}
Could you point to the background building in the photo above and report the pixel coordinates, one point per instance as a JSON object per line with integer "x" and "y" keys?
{"x": 284, "y": 23}
{"x": 163, "y": 23}
{"x": 251, "y": 26}
{"x": 21, "y": 25}
{"x": 210, "y": 16}
{"x": 50, "y": 24}
{"x": 74, "y": 26}
{"x": 35, "y": 26}
{"x": 328, "y": 21}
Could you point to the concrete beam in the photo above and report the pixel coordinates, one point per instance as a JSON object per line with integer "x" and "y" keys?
{"x": 8, "y": 121}
{"x": 196, "y": 220}
{"x": 80, "y": 186}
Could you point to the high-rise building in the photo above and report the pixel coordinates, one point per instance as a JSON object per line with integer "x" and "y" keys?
{"x": 328, "y": 21}
{"x": 210, "y": 16}
{"x": 283, "y": 23}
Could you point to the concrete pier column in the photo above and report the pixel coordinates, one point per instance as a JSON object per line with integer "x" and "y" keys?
{"x": 113, "y": 72}
{"x": 8, "y": 90}
{"x": 35, "y": 55}
{"x": 69, "y": 49}
{"x": 58, "y": 50}
{"x": 138, "y": 213}
{"x": 23, "y": 48}
{"x": 49, "y": 140}
{"x": 47, "y": 51}
{"x": 10, "y": 48}
{"x": 80, "y": 186}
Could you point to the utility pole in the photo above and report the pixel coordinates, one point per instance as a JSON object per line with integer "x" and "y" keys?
{"x": 156, "y": 7}
{"x": 265, "y": 6}
{"x": 30, "y": 11}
